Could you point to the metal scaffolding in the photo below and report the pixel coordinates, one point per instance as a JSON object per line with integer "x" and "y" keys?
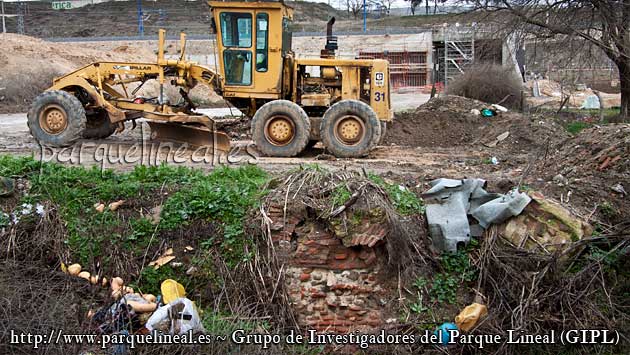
{"x": 457, "y": 52}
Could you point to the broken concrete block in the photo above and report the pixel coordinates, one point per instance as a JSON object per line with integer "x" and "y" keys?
{"x": 544, "y": 226}
{"x": 449, "y": 202}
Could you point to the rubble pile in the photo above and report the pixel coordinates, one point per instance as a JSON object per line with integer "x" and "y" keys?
{"x": 551, "y": 94}
{"x": 449, "y": 120}
{"x": 595, "y": 167}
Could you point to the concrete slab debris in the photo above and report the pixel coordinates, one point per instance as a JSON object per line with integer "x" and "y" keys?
{"x": 544, "y": 226}
{"x": 449, "y": 202}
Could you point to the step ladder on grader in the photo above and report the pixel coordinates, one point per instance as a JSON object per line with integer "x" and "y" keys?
{"x": 292, "y": 102}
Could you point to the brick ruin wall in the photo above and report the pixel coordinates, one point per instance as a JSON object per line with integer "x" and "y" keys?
{"x": 332, "y": 287}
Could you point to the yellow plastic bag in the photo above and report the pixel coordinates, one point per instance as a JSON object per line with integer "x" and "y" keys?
{"x": 172, "y": 290}
{"x": 469, "y": 316}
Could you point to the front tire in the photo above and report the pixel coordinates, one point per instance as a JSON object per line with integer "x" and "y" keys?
{"x": 350, "y": 129}
{"x": 56, "y": 118}
{"x": 281, "y": 128}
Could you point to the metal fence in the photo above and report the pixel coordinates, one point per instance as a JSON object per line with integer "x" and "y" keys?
{"x": 197, "y": 37}
{"x": 406, "y": 68}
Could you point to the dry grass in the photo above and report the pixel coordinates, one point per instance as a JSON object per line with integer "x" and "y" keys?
{"x": 523, "y": 290}
{"x": 569, "y": 289}
{"x": 489, "y": 83}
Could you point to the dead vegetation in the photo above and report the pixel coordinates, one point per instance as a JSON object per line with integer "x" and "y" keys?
{"x": 491, "y": 83}
{"x": 519, "y": 286}
{"x": 345, "y": 203}
{"x": 581, "y": 287}
{"x": 18, "y": 88}
{"x": 592, "y": 172}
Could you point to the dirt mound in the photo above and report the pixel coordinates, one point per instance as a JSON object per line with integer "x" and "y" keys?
{"x": 447, "y": 121}
{"x": 595, "y": 167}
{"x": 33, "y": 63}
{"x": 31, "y": 52}
{"x": 443, "y": 122}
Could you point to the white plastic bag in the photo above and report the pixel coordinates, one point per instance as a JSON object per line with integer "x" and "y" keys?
{"x": 177, "y": 317}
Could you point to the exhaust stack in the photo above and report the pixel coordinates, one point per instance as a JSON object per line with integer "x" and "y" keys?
{"x": 331, "y": 41}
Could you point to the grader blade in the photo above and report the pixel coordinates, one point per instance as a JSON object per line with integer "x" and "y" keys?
{"x": 193, "y": 135}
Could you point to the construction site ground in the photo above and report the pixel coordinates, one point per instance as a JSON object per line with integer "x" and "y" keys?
{"x": 426, "y": 140}
{"x": 586, "y": 170}
{"x": 439, "y": 139}
{"x": 192, "y": 17}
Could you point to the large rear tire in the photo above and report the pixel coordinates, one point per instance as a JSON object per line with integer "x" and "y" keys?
{"x": 350, "y": 129}
{"x": 281, "y": 128}
{"x": 56, "y": 118}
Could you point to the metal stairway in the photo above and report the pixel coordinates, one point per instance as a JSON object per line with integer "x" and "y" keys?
{"x": 458, "y": 51}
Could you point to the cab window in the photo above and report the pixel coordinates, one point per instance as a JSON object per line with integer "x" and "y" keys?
{"x": 238, "y": 67}
{"x": 262, "y": 38}
{"x": 236, "y": 29}
{"x": 236, "y": 35}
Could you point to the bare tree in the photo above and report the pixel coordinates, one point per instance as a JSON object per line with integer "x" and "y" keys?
{"x": 604, "y": 24}
{"x": 387, "y": 4}
{"x": 413, "y": 4}
{"x": 354, "y": 7}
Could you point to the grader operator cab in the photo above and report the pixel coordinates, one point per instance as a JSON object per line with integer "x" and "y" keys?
{"x": 293, "y": 102}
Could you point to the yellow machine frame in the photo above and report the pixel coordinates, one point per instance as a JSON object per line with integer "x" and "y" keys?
{"x": 342, "y": 102}
{"x": 280, "y": 81}
{"x": 120, "y": 106}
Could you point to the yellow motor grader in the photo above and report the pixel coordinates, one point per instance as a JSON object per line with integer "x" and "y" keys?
{"x": 292, "y": 102}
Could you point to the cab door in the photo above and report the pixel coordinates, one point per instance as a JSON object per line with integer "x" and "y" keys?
{"x": 236, "y": 39}
{"x": 250, "y": 65}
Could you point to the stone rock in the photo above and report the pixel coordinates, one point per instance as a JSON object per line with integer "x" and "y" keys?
{"x": 560, "y": 180}
{"x": 331, "y": 279}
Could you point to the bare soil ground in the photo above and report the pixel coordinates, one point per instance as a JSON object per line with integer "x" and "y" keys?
{"x": 592, "y": 170}
{"x": 192, "y": 17}
{"x": 447, "y": 121}
{"x": 426, "y": 144}
{"x": 441, "y": 138}
{"x": 534, "y": 153}
{"x": 29, "y": 65}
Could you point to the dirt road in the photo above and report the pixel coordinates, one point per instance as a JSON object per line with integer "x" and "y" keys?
{"x": 133, "y": 147}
